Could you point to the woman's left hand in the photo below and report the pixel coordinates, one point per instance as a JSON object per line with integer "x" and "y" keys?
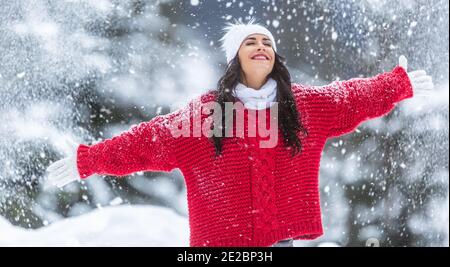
{"x": 422, "y": 83}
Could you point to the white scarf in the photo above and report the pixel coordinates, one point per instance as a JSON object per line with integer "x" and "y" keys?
{"x": 257, "y": 99}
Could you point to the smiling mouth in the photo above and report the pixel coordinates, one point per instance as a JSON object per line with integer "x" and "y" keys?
{"x": 259, "y": 58}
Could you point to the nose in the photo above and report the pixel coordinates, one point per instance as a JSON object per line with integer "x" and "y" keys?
{"x": 261, "y": 46}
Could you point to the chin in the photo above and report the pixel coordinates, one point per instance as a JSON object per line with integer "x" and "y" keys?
{"x": 263, "y": 70}
{"x": 261, "y": 65}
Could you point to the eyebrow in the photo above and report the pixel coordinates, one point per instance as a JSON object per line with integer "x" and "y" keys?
{"x": 254, "y": 38}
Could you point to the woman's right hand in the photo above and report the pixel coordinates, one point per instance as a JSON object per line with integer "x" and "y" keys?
{"x": 64, "y": 171}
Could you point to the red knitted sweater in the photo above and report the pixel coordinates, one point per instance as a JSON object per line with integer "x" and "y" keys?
{"x": 250, "y": 196}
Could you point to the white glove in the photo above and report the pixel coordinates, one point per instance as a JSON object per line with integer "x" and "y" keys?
{"x": 422, "y": 83}
{"x": 64, "y": 171}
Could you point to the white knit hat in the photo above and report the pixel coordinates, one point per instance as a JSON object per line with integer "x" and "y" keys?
{"x": 236, "y": 34}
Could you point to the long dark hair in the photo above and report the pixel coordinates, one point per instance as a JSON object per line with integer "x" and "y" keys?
{"x": 289, "y": 118}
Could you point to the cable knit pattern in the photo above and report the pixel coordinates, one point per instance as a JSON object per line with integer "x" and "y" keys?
{"x": 265, "y": 210}
{"x": 250, "y": 195}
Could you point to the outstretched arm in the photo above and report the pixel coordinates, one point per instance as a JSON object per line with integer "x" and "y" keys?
{"x": 148, "y": 146}
{"x": 361, "y": 99}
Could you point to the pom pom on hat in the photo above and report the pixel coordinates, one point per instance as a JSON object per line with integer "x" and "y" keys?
{"x": 235, "y": 33}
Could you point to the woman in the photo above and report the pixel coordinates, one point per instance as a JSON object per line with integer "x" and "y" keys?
{"x": 239, "y": 192}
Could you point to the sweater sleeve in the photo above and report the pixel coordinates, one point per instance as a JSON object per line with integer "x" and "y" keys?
{"x": 357, "y": 100}
{"x": 147, "y": 146}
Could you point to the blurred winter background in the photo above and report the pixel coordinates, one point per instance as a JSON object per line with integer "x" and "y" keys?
{"x": 90, "y": 69}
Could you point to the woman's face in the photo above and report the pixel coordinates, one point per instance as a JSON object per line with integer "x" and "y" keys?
{"x": 253, "y": 45}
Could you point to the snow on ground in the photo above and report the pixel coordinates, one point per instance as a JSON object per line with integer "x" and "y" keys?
{"x": 136, "y": 225}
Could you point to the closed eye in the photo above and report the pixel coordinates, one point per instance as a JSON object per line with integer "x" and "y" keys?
{"x": 254, "y": 43}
